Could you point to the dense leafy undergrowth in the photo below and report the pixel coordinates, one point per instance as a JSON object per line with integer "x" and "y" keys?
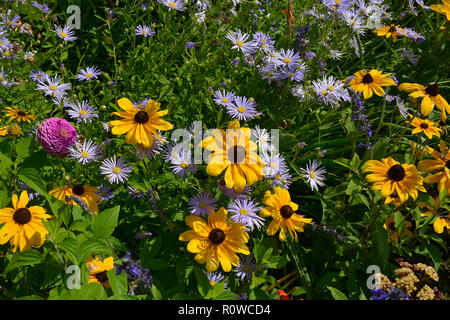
{"x": 327, "y": 177}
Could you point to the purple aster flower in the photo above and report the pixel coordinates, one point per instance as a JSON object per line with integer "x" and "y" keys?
{"x": 38, "y": 76}
{"x": 391, "y": 294}
{"x": 53, "y": 87}
{"x": 314, "y": 174}
{"x": 135, "y": 193}
{"x": 115, "y": 170}
{"x": 288, "y": 58}
{"x": 150, "y": 153}
{"x": 245, "y": 212}
{"x": 144, "y": 31}
{"x": 201, "y": 204}
{"x": 240, "y": 42}
{"x": 81, "y": 111}
{"x": 56, "y": 135}
{"x": 66, "y": 33}
{"x": 263, "y": 41}
{"x": 235, "y": 62}
{"x": 139, "y": 278}
{"x": 85, "y": 152}
{"x": 215, "y": 277}
{"x": 179, "y": 5}
{"x": 182, "y": 163}
{"x": 242, "y": 109}
{"x": 190, "y": 45}
{"x": 88, "y": 74}
{"x": 224, "y": 98}
{"x": 245, "y": 267}
{"x": 142, "y": 235}
{"x": 105, "y": 192}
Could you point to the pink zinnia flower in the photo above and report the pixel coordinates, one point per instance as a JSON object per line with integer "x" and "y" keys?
{"x": 56, "y": 135}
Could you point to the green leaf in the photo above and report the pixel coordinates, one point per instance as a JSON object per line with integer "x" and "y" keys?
{"x": 118, "y": 283}
{"x": 156, "y": 292}
{"x": 90, "y": 291}
{"x": 337, "y": 295}
{"x": 32, "y": 178}
{"x": 216, "y": 290}
{"x": 155, "y": 264}
{"x": 24, "y": 147}
{"x": 226, "y": 295}
{"x": 4, "y": 198}
{"x": 103, "y": 224}
{"x": 277, "y": 262}
{"x": 203, "y": 284}
{"x": 381, "y": 245}
{"x": 26, "y": 258}
{"x": 5, "y": 165}
{"x": 258, "y": 294}
{"x": 71, "y": 248}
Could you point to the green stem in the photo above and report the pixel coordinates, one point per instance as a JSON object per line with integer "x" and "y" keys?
{"x": 303, "y": 272}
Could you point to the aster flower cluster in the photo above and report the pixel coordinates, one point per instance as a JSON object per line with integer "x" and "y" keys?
{"x": 328, "y": 230}
{"x": 239, "y": 108}
{"x": 363, "y": 123}
{"x": 139, "y": 278}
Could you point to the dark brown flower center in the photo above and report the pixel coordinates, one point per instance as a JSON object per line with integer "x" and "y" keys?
{"x": 286, "y": 211}
{"x": 216, "y": 236}
{"x": 21, "y": 113}
{"x": 22, "y": 216}
{"x": 396, "y": 173}
{"x": 78, "y": 189}
{"x": 432, "y": 90}
{"x": 141, "y": 117}
{"x": 424, "y": 125}
{"x": 102, "y": 276}
{"x": 447, "y": 164}
{"x": 236, "y": 154}
{"x": 392, "y": 29}
{"x": 367, "y": 78}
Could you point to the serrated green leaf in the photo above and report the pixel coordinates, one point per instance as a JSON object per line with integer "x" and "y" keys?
{"x": 103, "y": 224}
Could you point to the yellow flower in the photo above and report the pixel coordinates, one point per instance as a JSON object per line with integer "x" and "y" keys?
{"x": 370, "y": 82}
{"x": 19, "y": 114}
{"x": 442, "y": 215}
{"x": 86, "y": 193}
{"x": 140, "y": 125}
{"x": 430, "y": 95}
{"x": 389, "y": 225}
{"x": 387, "y": 31}
{"x": 98, "y": 270}
{"x": 442, "y": 163}
{"x": 425, "y": 126}
{"x": 282, "y": 210}
{"x": 443, "y": 8}
{"x": 234, "y": 152}
{"x": 389, "y": 175}
{"x": 23, "y": 226}
{"x": 216, "y": 241}
{"x": 3, "y": 131}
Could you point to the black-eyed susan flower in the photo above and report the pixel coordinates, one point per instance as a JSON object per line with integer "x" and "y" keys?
{"x": 85, "y": 193}
{"x": 215, "y": 242}
{"x": 3, "y": 131}
{"x": 430, "y": 98}
{"x": 234, "y": 153}
{"x": 140, "y": 125}
{"x": 369, "y": 82}
{"x": 389, "y": 175}
{"x": 441, "y": 163}
{"x": 282, "y": 210}
{"x": 443, "y": 8}
{"x": 389, "y": 225}
{"x": 426, "y": 126}
{"x": 22, "y": 226}
{"x": 442, "y": 215}
{"x": 21, "y": 115}
{"x": 387, "y": 31}
{"x": 98, "y": 270}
